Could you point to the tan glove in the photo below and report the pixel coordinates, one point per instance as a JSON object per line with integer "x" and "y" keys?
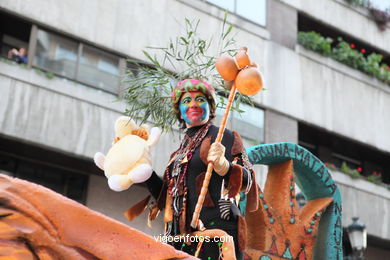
{"x": 217, "y": 156}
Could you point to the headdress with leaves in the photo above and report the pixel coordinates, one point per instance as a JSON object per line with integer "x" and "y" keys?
{"x": 149, "y": 86}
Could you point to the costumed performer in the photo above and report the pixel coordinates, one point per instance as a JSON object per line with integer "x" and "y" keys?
{"x": 194, "y": 104}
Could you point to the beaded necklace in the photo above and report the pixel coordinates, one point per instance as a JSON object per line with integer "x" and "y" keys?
{"x": 179, "y": 169}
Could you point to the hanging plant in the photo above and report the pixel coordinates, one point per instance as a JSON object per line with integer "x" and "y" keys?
{"x": 149, "y": 85}
{"x": 362, "y": 3}
{"x": 380, "y": 17}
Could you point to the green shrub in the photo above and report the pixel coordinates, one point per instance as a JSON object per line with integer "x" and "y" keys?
{"x": 314, "y": 41}
{"x": 354, "y": 174}
{"x": 363, "y": 3}
{"x": 49, "y": 75}
{"x": 372, "y": 66}
{"x": 344, "y": 53}
{"x": 375, "y": 179}
{"x": 344, "y": 168}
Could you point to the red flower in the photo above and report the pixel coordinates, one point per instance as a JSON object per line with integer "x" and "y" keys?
{"x": 363, "y": 51}
{"x": 387, "y": 68}
{"x": 379, "y": 174}
{"x": 326, "y": 164}
{"x": 352, "y": 46}
{"x": 359, "y": 169}
{"x": 374, "y": 172}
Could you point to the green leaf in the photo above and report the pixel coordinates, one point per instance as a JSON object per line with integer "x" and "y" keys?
{"x": 184, "y": 40}
{"x": 227, "y": 31}
{"x": 149, "y": 86}
{"x": 147, "y": 55}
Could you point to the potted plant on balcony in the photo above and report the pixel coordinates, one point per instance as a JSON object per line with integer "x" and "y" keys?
{"x": 380, "y": 17}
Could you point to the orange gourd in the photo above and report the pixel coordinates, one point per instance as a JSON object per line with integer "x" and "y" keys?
{"x": 226, "y": 67}
{"x": 242, "y": 58}
{"x": 249, "y": 81}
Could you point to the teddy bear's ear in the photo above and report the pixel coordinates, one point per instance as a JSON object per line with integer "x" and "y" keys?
{"x": 123, "y": 126}
{"x": 154, "y": 136}
{"x": 145, "y": 126}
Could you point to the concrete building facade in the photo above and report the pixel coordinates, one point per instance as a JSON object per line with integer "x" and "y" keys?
{"x": 57, "y": 110}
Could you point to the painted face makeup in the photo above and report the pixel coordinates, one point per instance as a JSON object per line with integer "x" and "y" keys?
{"x": 194, "y": 108}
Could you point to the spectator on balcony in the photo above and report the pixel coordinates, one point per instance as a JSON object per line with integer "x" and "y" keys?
{"x": 20, "y": 56}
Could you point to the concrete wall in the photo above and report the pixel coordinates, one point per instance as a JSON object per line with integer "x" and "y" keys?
{"x": 63, "y": 115}
{"x": 282, "y": 23}
{"x": 326, "y": 93}
{"x": 309, "y": 89}
{"x": 51, "y": 113}
{"x": 123, "y": 25}
{"x": 344, "y": 100}
{"x": 280, "y": 128}
{"x": 368, "y": 201}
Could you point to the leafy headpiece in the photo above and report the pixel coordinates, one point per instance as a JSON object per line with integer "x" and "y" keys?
{"x": 154, "y": 90}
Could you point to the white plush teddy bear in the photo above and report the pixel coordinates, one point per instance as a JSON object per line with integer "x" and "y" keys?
{"x": 128, "y": 161}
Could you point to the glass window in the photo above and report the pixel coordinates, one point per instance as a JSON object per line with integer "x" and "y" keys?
{"x": 56, "y": 54}
{"x": 77, "y": 61}
{"x": 99, "y": 69}
{"x": 249, "y": 124}
{"x": 225, "y": 4}
{"x": 253, "y": 10}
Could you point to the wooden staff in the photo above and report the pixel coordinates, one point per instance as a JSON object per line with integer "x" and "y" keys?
{"x": 210, "y": 166}
{"x": 248, "y": 80}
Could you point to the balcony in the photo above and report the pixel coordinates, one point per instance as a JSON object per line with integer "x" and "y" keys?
{"x": 368, "y": 201}
{"x": 55, "y": 112}
{"x": 343, "y": 16}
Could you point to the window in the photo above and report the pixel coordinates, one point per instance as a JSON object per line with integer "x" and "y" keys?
{"x": 225, "y": 4}
{"x": 99, "y": 69}
{"x": 249, "y": 124}
{"x": 253, "y": 10}
{"x": 77, "y": 61}
{"x": 56, "y": 54}
{"x": 62, "y": 181}
{"x": 14, "y": 33}
{"x": 59, "y": 172}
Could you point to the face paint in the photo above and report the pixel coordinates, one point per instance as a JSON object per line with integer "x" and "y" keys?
{"x": 194, "y": 108}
